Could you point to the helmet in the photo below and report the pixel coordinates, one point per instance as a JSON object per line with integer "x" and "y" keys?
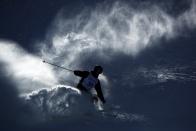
{"x": 98, "y": 68}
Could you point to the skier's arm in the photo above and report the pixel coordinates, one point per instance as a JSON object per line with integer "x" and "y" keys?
{"x": 99, "y": 92}
{"x": 81, "y": 73}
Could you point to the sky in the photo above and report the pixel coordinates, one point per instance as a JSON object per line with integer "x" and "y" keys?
{"x": 128, "y": 38}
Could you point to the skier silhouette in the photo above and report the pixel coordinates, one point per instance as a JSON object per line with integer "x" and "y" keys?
{"x": 90, "y": 83}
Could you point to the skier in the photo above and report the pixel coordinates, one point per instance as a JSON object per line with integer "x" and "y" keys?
{"x": 90, "y": 83}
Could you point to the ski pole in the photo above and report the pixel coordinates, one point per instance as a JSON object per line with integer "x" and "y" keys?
{"x": 57, "y": 66}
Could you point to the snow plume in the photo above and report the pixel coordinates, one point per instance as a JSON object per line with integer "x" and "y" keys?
{"x": 27, "y": 70}
{"x": 57, "y": 101}
{"x": 65, "y": 101}
{"x": 107, "y": 31}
